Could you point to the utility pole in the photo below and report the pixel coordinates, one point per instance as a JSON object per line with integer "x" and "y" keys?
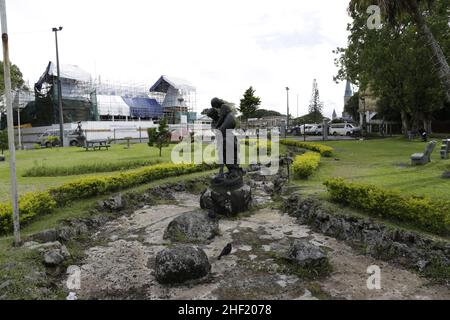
{"x": 10, "y": 119}
{"x": 61, "y": 115}
{"x": 287, "y": 120}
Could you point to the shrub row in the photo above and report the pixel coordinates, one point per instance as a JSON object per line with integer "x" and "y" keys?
{"x": 305, "y": 164}
{"x": 425, "y": 213}
{"x": 44, "y": 171}
{"x": 325, "y": 151}
{"x": 260, "y": 144}
{"x": 36, "y": 204}
{"x": 31, "y": 205}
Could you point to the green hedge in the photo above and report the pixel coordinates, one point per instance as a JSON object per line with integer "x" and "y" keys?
{"x": 36, "y": 204}
{"x": 425, "y": 213}
{"x": 87, "y": 168}
{"x": 30, "y": 205}
{"x": 305, "y": 164}
{"x": 325, "y": 151}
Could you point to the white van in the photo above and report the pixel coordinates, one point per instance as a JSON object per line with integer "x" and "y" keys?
{"x": 343, "y": 129}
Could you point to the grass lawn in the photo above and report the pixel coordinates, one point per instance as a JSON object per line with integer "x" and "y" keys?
{"x": 68, "y": 157}
{"x": 385, "y": 163}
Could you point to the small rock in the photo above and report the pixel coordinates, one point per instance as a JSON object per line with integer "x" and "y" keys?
{"x": 307, "y": 255}
{"x": 181, "y": 264}
{"x": 53, "y": 258}
{"x": 45, "y": 236}
{"x": 422, "y": 264}
{"x": 446, "y": 175}
{"x": 114, "y": 203}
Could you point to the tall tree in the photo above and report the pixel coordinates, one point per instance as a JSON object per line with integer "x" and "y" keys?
{"x": 249, "y": 104}
{"x": 160, "y": 137}
{"x": 3, "y": 140}
{"x": 417, "y": 10}
{"x": 352, "y": 106}
{"x": 315, "y": 105}
{"x": 394, "y": 64}
{"x": 16, "y": 78}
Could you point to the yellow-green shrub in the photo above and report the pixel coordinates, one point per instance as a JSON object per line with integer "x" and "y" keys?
{"x": 31, "y": 205}
{"x": 425, "y": 213}
{"x": 305, "y": 164}
{"x": 35, "y": 204}
{"x": 94, "y": 186}
{"x": 325, "y": 151}
{"x": 262, "y": 144}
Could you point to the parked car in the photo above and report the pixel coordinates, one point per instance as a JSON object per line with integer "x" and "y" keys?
{"x": 344, "y": 129}
{"x": 314, "y": 129}
{"x": 50, "y": 138}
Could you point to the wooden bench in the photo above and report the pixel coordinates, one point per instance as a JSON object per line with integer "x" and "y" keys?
{"x": 97, "y": 145}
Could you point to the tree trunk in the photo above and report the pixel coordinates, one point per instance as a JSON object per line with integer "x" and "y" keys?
{"x": 405, "y": 123}
{"x": 438, "y": 55}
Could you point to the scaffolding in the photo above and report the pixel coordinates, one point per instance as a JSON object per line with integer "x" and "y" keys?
{"x": 177, "y": 97}
{"x": 87, "y": 99}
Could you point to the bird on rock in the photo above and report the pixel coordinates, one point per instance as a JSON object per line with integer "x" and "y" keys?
{"x": 226, "y": 251}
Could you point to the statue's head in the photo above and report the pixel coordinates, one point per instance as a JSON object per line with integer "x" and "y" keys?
{"x": 217, "y": 103}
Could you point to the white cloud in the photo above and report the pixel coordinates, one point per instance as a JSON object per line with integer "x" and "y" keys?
{"x": 222, "y": 47}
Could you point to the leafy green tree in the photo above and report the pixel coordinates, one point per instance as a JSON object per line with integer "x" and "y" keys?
{"x": 249, "y": 104}
{"x": 417, "y": 12}
{"x": 352, "y": 106}
{"x": 315, "y": 105}
{"x": 160, "y": 137}
{"x": 16, "y": 78}
{"x": 393, "y": 63}
{"x": 3, "y": 140}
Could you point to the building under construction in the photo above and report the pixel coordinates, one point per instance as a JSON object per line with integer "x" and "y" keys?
{"x": 85, "y": 99}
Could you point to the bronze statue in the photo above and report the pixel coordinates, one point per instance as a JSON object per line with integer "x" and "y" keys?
{"x": 223, "y": 120}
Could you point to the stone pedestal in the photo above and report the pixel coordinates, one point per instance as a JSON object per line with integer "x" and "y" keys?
{"x": 225, "y": 201}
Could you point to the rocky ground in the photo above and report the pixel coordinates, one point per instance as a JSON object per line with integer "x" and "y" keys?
{"x": 120, "y": 264}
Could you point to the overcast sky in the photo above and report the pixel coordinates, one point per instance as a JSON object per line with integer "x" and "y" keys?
{"x": 221, "y": 47}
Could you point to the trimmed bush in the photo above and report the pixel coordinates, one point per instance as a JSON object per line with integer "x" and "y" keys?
{"x": 325, "y": 151}
{"x": 44, "y": 171}
{"x": 425, "y": 213}
{"x": 94, "y": 186}
{"x": 36, "y": 204}
{"x": 30, "y": 205}
{"x": 305, "y": 165}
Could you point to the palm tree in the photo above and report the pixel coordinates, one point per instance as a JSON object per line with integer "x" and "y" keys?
{"x": 396, "y": 8}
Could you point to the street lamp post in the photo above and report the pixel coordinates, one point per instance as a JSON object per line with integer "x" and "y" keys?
{"x": 287, "y": 119}
{"x": 61, "y": 115}
{"x": 10, "y": 119}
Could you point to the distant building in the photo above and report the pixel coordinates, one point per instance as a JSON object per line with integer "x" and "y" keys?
{"x": 267, "y": 122}
{"x": 177, "y": 98}
{"x": 347, "y": 95}
{"x": 334, "y": 116}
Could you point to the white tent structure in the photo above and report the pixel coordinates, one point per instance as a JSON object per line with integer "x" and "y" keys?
{"x": 113, "y": 106}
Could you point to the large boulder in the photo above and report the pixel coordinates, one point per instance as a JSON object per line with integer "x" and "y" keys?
{"x": 225, "y": 202}
{"x": 307, "y": 256}
{"x": 192, "y": 227}
{"x": 181, "y": 264}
